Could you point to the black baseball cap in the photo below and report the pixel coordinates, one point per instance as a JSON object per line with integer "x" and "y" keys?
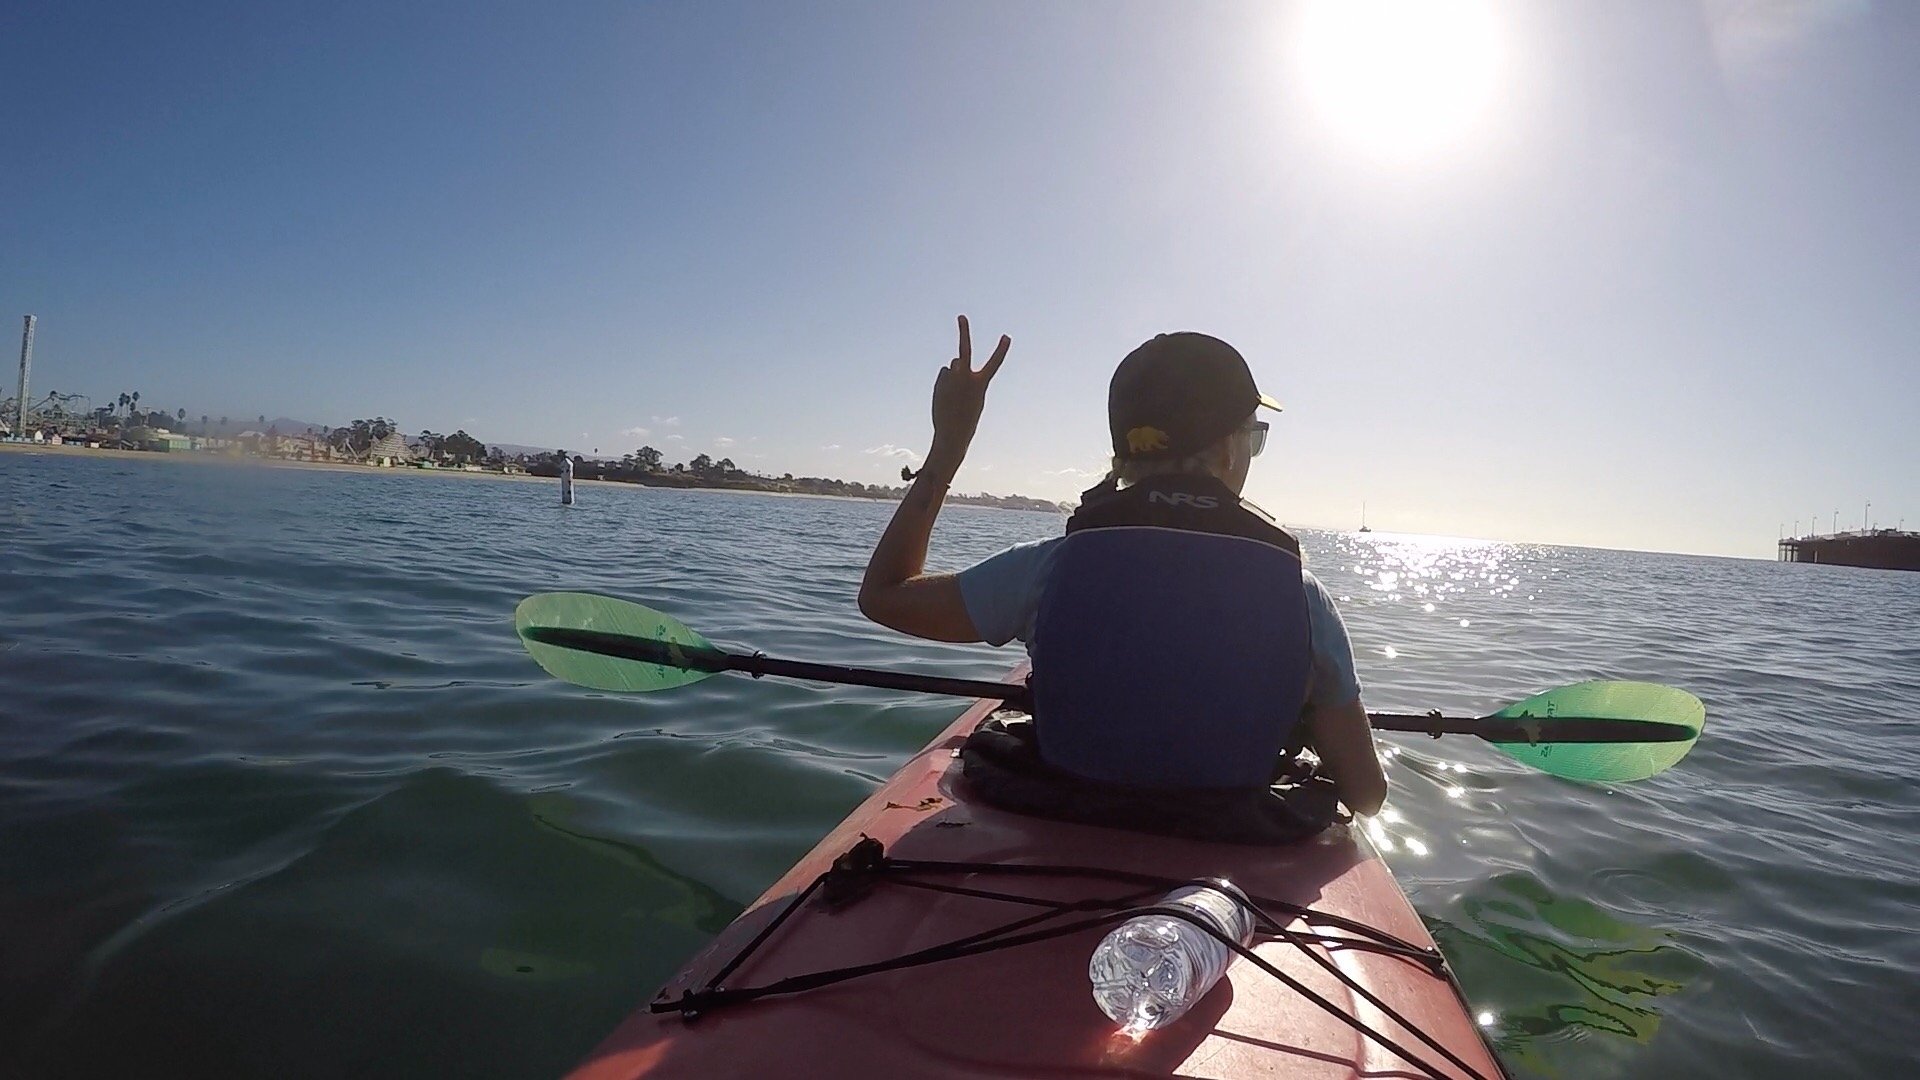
{"x": 1178, "y": 394}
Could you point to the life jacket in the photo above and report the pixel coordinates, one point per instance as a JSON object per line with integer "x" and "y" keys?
{"x": 1200, "y": 504}
{"x": 1171, "y": 657}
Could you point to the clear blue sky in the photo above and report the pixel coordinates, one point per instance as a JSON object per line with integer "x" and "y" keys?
{"x": 1631, "y": 274}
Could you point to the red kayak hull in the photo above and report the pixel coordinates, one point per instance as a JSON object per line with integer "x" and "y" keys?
{"x": 1028, "y": 1011}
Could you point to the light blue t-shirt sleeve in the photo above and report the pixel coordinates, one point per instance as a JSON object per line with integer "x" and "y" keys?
{"x": 1335, "y": 681}
{"x": 1002, "y": 592}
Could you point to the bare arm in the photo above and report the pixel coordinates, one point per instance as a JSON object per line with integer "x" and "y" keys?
{"x": 896, "y": 591}
{"x": 1343, "y": 737}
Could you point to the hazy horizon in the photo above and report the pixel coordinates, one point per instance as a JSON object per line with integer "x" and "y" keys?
{"x": 1598, "y": 274}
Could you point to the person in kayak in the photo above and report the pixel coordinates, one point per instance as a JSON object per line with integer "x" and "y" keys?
{"x": 1177, "y": 641}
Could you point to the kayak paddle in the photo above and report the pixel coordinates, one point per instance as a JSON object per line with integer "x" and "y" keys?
{"x": 1611, "y": 732}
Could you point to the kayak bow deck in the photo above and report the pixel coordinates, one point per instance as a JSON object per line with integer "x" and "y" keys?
{"x": 1028, "y": 1010}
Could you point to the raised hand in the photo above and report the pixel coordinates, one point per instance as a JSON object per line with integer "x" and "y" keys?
{"x": 959, "y": 396}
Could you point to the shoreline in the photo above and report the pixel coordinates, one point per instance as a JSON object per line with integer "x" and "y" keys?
{"x": 196, "y": 458}
{"x": 242, "y": 462}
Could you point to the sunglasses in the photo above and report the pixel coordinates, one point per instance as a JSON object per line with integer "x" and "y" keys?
{"x": 1256, "y": 432}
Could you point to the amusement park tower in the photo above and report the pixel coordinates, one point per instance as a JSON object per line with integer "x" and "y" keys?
{"x": 26, "y": 362}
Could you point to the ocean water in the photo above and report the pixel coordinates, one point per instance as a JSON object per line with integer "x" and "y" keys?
{"x": 281, "y": 795}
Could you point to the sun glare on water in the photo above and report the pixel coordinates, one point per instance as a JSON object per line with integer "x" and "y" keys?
{"x": 1399, "y": 78}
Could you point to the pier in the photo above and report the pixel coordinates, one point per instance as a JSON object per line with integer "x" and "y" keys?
{"x": 1883, "y": 549}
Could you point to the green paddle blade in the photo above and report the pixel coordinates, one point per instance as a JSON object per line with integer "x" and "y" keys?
{"x": 1605, "y": 762}
{"x": 661, "y": 652}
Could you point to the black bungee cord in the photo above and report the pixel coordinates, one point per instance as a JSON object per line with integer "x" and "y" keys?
{"x": 866, "y": 864}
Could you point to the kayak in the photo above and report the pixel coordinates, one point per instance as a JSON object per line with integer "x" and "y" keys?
{"x": 1349, "y": 983}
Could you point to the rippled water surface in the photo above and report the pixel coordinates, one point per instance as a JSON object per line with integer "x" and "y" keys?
{"x": 281, "y": 795}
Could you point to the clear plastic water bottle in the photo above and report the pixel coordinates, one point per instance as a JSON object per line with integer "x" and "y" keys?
{"x": 1152, "y": 969}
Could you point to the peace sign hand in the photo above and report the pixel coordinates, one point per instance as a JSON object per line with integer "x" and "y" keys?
{"x": 959, "y": 396}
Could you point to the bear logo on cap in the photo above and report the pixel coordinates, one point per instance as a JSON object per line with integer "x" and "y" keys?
{"x": 1145, "y": 440}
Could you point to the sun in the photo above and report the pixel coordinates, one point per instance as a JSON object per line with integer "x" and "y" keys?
{"x": 1399, "y": 78}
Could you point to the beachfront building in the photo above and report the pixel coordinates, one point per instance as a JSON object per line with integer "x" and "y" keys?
{"x": 145, "y": 437}
{"x": 389, "y": 451}
{"x": 308, "y": 447}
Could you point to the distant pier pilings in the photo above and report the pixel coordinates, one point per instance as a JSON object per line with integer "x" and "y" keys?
{"x": 1884, "y": 549}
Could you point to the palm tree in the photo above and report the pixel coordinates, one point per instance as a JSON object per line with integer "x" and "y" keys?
{"x": 181, "y": 415}
{"x": 125, "y": 400}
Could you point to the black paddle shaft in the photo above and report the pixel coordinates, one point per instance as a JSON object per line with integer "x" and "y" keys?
{"x": 1526, "y": 729}
{"x": 667, "y": 654}
{"x": 1503, "y": 729}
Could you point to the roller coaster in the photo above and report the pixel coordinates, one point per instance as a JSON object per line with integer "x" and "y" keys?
{"x": 68, "y": 414}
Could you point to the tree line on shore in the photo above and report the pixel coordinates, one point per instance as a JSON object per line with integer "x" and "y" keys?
{"x": 648, "y": 466}
{"x": 356, "y": 441}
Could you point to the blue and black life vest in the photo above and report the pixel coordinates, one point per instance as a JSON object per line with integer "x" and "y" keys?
{"x": 1171, "y": 659}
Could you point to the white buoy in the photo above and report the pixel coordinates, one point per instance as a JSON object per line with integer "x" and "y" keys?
{"x": 566, "y": 481}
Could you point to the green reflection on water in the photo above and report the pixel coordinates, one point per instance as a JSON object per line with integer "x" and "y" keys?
{"x": 550, "y": 943}
{"x": 696, "y": 906}
{"x": 1566, "y": 969}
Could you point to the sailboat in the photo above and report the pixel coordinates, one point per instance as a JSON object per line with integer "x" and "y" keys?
{"x": 1363, "y": 518}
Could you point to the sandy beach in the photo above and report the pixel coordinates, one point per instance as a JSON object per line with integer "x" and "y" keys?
{"x": 239, "y": 462}
{"x": 232, "y": 461}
